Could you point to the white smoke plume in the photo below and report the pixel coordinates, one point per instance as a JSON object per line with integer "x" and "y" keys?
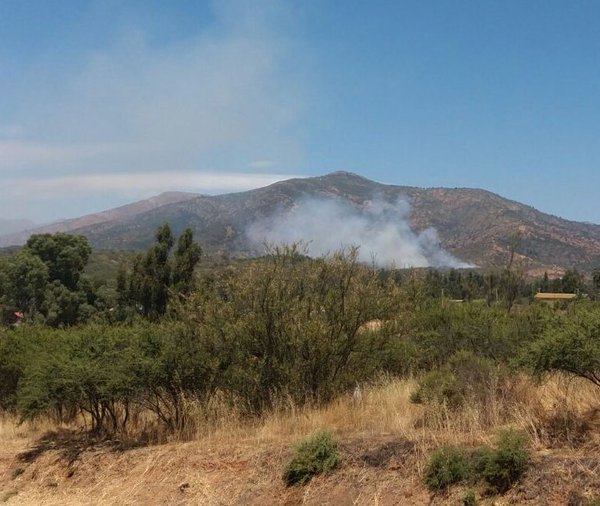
{"x": 380, "y": 229}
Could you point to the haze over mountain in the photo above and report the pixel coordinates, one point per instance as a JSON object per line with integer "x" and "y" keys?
{"x": 19, "y": 236}
{"x": 401, "y": 225}
{"x": 13, "y": 226}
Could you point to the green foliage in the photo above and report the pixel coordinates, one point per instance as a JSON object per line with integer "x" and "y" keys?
{"x": 447, "y": 466}
{"x": 505, "y": 464}
{"x": 290, "y": 326}
{"x": 572, "y": 345}
{"x": 44, "y": 281}
{"x": 23, "y": 283}
{"x": 65, "y": 256}
{"x": 154, "y": 274}
{"x": 499, "y": 467}
{"x": 572, "y": 282}
{"x": 466, "y": 377}
{"x": 105, "y": 373}
{"x": 596, "y": 279}
{"x": 281, "y": 326}
{"x": 439, "y": 330}
{"x": 469, "y": 499}
{"x": 438, "y": 386}
{"x": 256, "y": 331}
{"x": 187, "y": 256}
{"x": 314, "y": 456}
{"x": 61, "y": 305}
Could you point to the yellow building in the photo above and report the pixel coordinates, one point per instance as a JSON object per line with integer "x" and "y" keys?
{"x": 555, "y": 297}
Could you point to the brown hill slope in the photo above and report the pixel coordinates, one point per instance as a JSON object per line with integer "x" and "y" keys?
{"x": 125, "y": 212}
{"x": 474, "y": 225}
{"x": 385, "y": 444}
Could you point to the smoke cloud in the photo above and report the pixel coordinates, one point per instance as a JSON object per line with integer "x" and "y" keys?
{"x": 379, "y": 228}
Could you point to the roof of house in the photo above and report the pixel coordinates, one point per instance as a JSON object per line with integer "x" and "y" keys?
{"x": 555, "y": 296}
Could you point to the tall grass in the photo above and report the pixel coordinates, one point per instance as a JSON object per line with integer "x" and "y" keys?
{"x": 385, "y": 409}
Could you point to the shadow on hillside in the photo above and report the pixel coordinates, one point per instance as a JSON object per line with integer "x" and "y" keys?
{"x": 381, "y": 453}
{"x": 70, "y": 444}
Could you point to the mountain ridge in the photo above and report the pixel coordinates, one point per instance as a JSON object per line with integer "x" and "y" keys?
{"x": 120, "y": 212}
{"x": 474, "y": 224}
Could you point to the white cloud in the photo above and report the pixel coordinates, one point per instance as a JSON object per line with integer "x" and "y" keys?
{"x": 141, "y": 184}
{"x": 157, "y": 117}
{"x": 16, "y": 154}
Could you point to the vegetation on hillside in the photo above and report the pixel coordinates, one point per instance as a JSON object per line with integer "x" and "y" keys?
{"x": 166, "y": 345}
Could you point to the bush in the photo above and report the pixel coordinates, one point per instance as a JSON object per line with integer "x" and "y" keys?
{"x": 447, "y": 466}
{"x": 506, "y": 464}
{"x": 570, "y": 346}
{"x": 499, "y": 467}
{"x": 439, "y": 386}
{"x": 466, "y": 377}
{"x": 313, "y": 456}
{"x": 469, "y": 499}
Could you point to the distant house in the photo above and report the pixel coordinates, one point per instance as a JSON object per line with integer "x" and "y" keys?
{"x": 555, "y": 297}
{"x": 371, "y": 326}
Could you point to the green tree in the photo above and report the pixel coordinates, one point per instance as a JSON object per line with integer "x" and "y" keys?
{"x": 61, "y": 305}
{"x": 596, "y": 283}
{"x": 545, "y": 284}
{"x": 65, "y": 255}
{"x": 156, "y": 273}
{"x": 513, "y": 275}
{"x": 187, "y": 256}
{"x": 45, "y": 278}
{"x": 23, "y": 283}
{"x": 572, "y": 282}
{"x": 289, "y": 325}
{"x": 596, "y": 278}
{"x": 571, "y": 345}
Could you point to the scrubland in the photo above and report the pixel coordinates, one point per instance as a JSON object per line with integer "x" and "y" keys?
{"x": 290, "y": 380}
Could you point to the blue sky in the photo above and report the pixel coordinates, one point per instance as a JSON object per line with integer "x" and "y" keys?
{"x": 107, "y": 101}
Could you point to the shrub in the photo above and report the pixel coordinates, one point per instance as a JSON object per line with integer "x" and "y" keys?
{"x": 469, "y": 499}
{"x": 466, "y": 376}
{"x": 447, "y": 466}
{"x": 570, "y": 346}
{"x": 505, "y": 465}
{"x": 438, "y": 387}
{"x": 313, "y": 456}
{"x": 499, "y": 467}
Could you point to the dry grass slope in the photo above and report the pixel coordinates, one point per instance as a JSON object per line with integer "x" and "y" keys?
{"x": 384, "y": 444}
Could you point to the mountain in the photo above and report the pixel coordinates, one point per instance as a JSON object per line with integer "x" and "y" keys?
{"x": 20, "y": 235}
{"x": 475, "y": 225}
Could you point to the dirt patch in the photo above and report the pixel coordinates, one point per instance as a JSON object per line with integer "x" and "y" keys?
{"x": 388, "y": 453}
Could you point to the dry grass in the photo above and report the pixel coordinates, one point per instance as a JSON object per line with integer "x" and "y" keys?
{"x": 386, "y": 409}
{"x": 230, "y": 460}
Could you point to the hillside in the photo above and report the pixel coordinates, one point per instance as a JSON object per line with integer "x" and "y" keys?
{"x": 385, "y": 444}
{"x": 19, "y": 236}
{"x": 474, "y": 225}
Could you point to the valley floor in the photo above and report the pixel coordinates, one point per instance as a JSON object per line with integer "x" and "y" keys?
{"x": 384, "y": 446}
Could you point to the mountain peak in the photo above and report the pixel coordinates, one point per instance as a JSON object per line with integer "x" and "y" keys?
{"x": 345, "y": 174}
